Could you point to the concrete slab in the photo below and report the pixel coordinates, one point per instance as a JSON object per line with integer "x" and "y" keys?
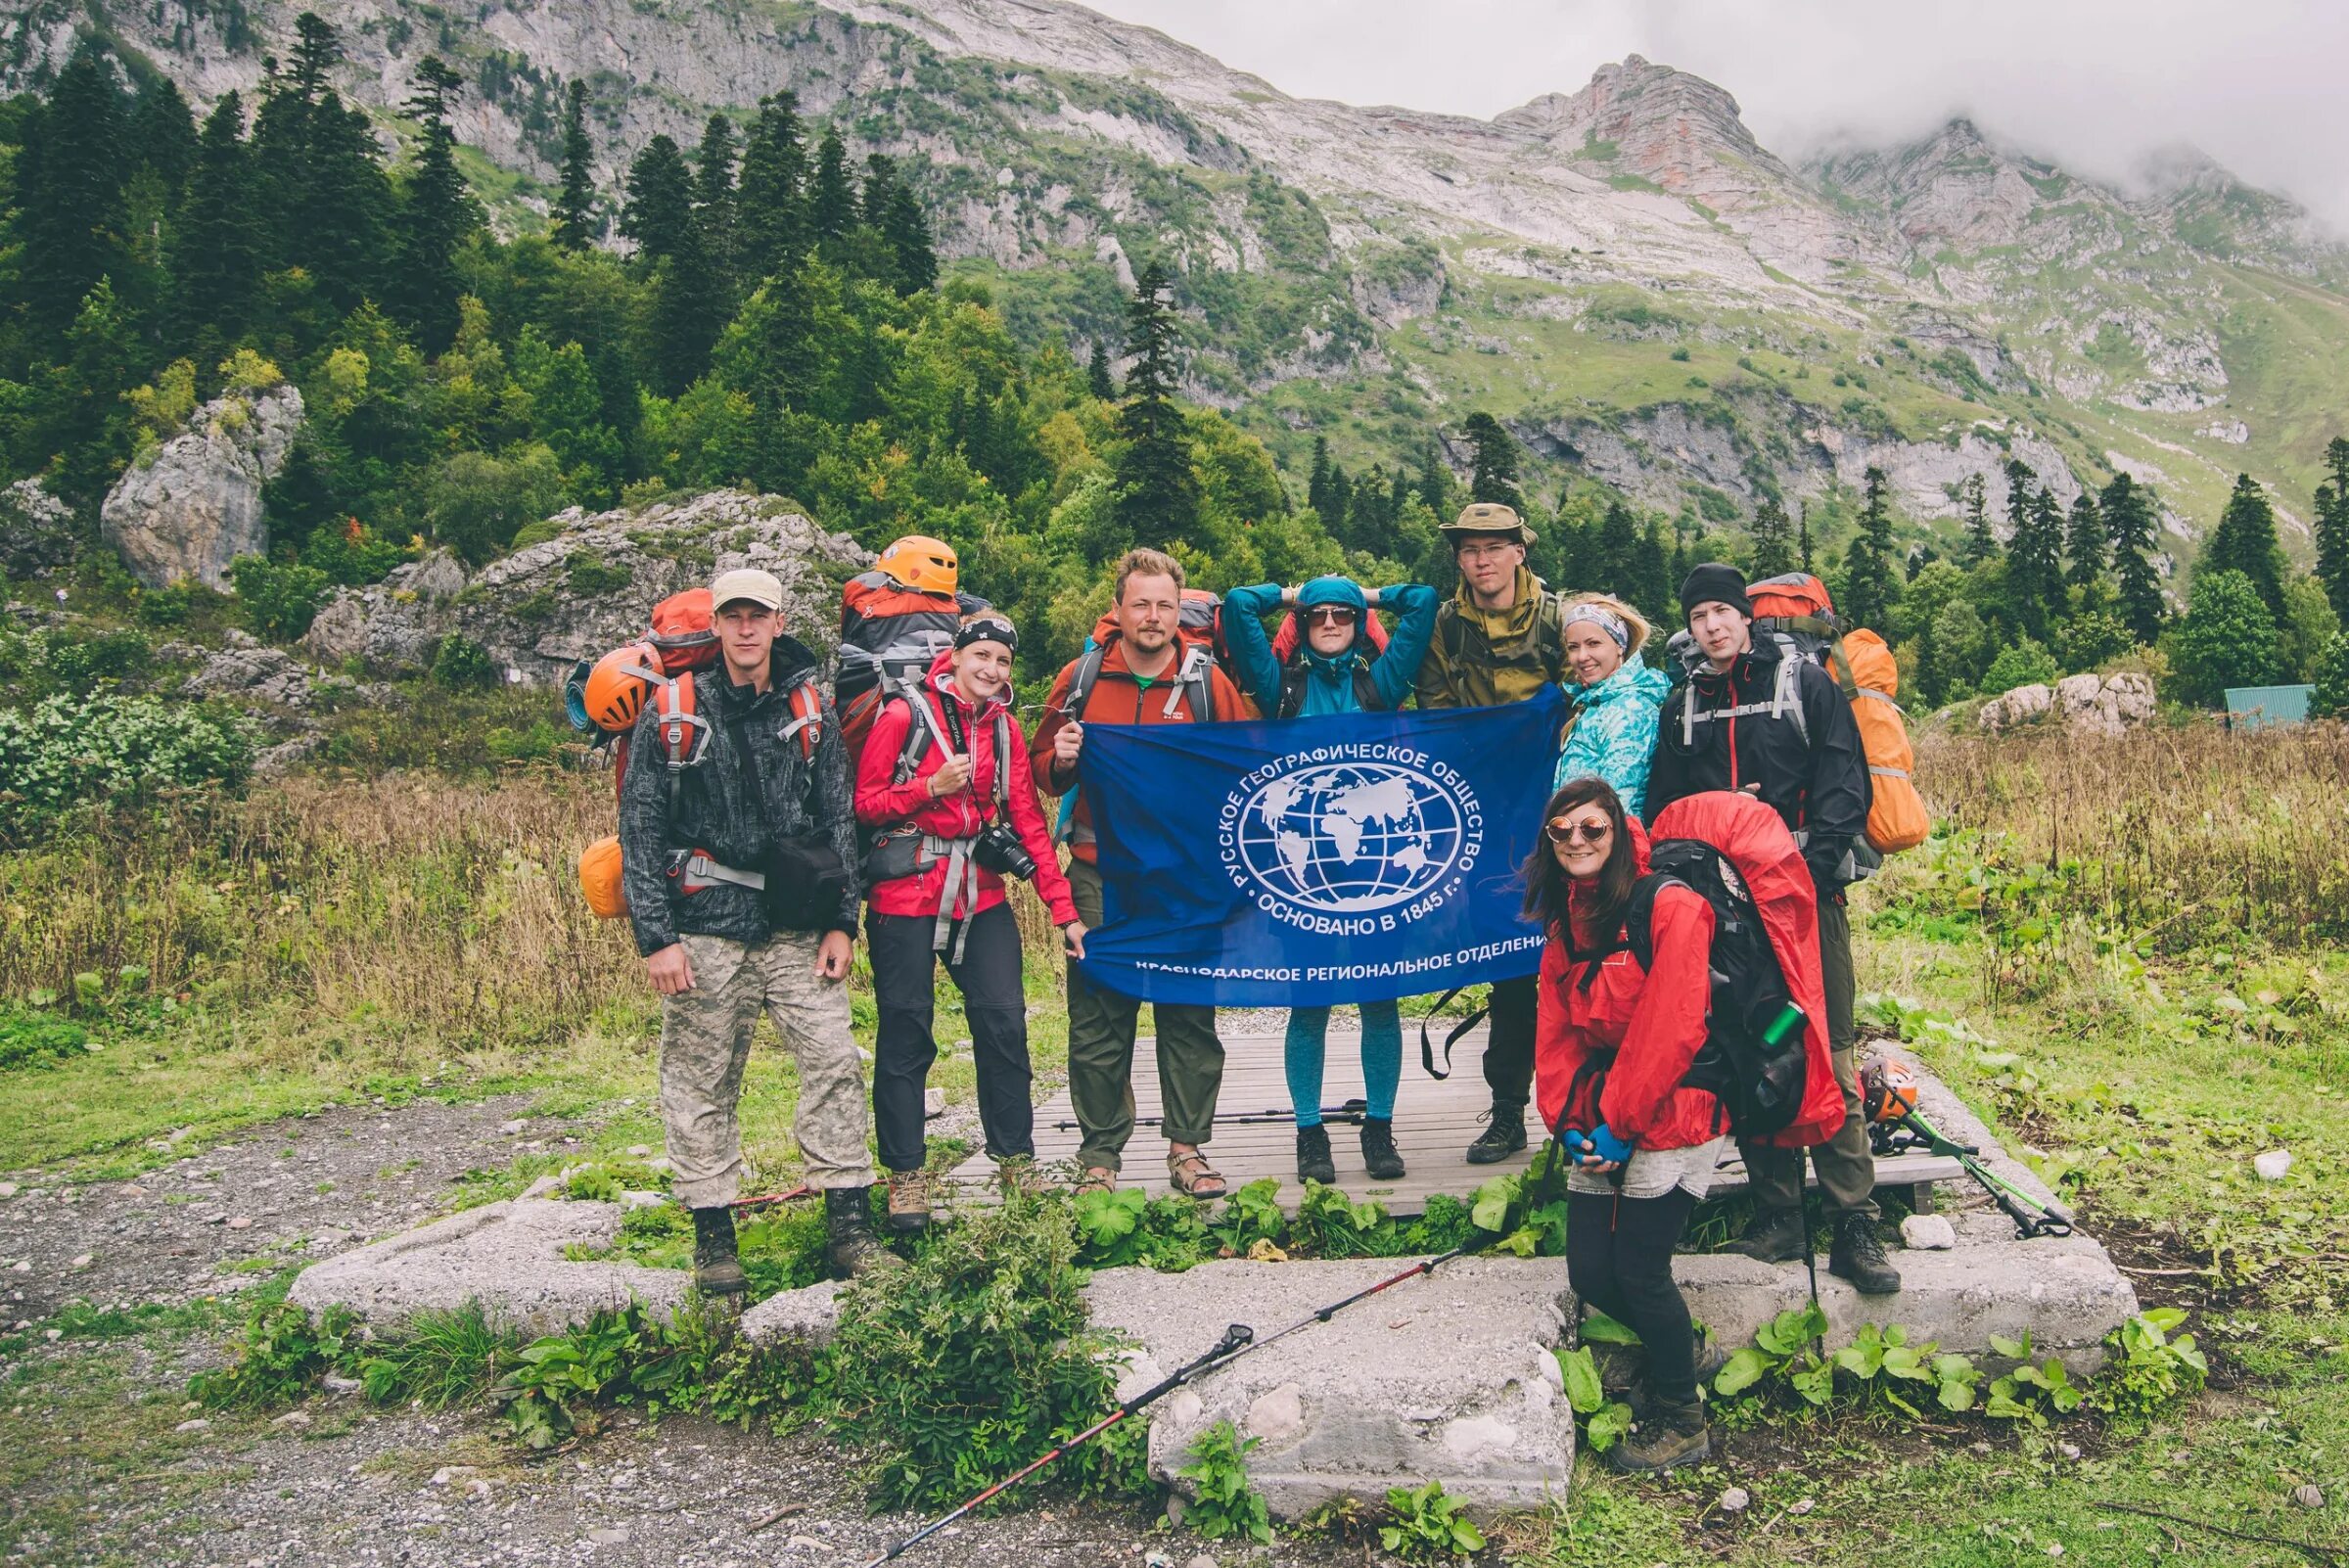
{"x": 1447, "y": 1377}
{"x": 806, "y": 1315}
{"x": 507, "y": 1255}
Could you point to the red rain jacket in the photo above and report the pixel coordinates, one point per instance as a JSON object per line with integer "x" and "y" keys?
{"x": 881, "y": 802}
{"x": 1655, "y": 1021}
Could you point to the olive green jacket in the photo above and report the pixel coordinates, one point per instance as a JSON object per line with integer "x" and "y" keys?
{"x": 1484, "y": 658}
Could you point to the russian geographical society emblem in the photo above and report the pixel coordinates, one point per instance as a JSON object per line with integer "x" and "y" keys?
{"x": 1350, "y": 839}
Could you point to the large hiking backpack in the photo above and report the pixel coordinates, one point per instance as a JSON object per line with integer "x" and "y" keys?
{"x": 1735, "y": 853}
{"x": 890, "y": 634}
{"x": 604, "y": 697}
{"x": 1795, "y": 609}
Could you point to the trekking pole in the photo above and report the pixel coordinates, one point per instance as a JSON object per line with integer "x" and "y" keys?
{"x": 2033, "y": 1216}
{"x": 1351, "y": 1110}
{"x": 1236, "y": 1340}
{"x": 764, "y": 1199}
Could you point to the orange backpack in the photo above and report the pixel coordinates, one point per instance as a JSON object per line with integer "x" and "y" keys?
{"x": 1796, "y": 610}
{"x": 608, "y": 694}
{"x": 890, "y": 634}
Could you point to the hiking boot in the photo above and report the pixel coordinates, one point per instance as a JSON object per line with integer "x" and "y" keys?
{"x": 717, "y": 1269}
{"x": 1710, "y": 1358}
{"x": 1314, "y": 1163}
{"x": 909, "y": 1202}
{"x": 1502, "y": 1136}
{"x": 1379, "y": 1155}
{"x": 1859, "y": 1256}
{"x": 852, "y": 1250}
{"x": 1671, "y": 1436}
{"x": 1775, "y": 1235}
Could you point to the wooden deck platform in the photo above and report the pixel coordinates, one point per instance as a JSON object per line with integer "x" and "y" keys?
{"x": 1435, "y": 1122}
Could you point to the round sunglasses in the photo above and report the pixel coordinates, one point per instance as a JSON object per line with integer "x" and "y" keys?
{"x": 1565, "y": 832}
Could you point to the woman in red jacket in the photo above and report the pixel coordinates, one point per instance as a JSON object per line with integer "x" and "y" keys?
{"x": 951, "y": 808}
{"x": 1612, "y": 1043}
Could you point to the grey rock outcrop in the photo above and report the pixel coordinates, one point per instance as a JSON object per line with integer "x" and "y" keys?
{"x": 37, "y": 529}
{"x": 392, "y": 624}
{"x": 2100, "y": 704}
{"x": 195, "y": 504}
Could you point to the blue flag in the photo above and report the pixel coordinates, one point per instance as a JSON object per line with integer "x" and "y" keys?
{"x": 1314, "y": 861}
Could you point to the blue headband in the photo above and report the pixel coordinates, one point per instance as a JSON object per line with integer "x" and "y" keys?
{"x": 1600, "y": 616}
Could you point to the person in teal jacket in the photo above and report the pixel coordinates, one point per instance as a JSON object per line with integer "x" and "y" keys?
{"x": 1614, "y": 701}
{"x": 1334, "y": 671}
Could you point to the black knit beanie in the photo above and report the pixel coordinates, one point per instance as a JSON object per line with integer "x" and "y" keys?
{"x": 1714, "y": 582}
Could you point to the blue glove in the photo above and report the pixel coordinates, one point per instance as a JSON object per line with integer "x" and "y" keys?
{"x": 1608, "y": 1147}
{"x": 1577, "y": 1143}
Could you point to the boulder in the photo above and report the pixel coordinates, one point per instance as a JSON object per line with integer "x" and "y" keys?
{"x": 193, "y": 505}
{"x": 2100, "y": 704}
{"x": 2018, "y": 707}
{"x": 37, "y": 529}
{"x": 589, "y": 587}
{"x": 260, "y": 674}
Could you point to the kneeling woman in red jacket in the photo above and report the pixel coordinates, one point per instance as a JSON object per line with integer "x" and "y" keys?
{"x": 951, "y": 808}
{"x": 1612, "y": 1044}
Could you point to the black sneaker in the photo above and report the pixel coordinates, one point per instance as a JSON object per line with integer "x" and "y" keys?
{"x": 1314, "y": 1162}
{"x": 1502, "y": 1136}
{"x": 1380, "y": 1157}
{"x": 1859, "y": 1256}
{"x": 1775, "y": 1235}
{"x": 717, "y": 1269}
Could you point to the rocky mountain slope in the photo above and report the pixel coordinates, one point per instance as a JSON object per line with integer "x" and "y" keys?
{"x": 1622, "y": 273}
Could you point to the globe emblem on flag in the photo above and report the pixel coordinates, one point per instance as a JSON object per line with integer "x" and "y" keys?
{"x": 1349, "y": 838}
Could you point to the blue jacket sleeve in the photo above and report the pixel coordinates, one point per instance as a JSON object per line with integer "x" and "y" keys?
{"x": 1397, "y": 671}
{"x": 1244, "y": 612}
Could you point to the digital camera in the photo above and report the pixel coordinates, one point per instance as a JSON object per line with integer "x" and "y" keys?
{"x": 998, "y": 849}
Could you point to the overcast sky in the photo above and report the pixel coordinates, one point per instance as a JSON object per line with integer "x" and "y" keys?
{"x": 2257, "y": 84}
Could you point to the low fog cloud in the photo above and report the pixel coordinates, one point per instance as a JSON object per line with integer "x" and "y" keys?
{"x": 2095, "y": 84}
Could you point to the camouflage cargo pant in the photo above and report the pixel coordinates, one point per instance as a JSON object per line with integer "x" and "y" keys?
{"x": 706, "y": 1042}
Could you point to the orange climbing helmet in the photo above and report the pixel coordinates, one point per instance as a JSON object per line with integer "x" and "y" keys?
{"x": 617, "y": 686}
{"x": 921, "y": 563}
{"x": 1887, "y": 1089}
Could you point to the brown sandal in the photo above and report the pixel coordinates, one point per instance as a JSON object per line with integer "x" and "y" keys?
{"x": 1189, "y": 1175}
{"x": 1098, "y": 1178}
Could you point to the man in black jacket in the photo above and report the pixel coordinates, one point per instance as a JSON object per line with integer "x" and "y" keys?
{"x": 697, "y": 848}
{"x": 1767, "y": 720}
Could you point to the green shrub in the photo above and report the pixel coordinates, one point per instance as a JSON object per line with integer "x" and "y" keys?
{"x": 1224, "y": 1503}
{"x": 66, "y": 752}
{"x": 163, "y": 607}
{"x": 441, "y": 1358}
{"x": 2227, "y": 638}
{"x": 616, "y": 1358}
{"x": 38, "y": 1039}
{"x": 2148, "y": 1371}
{"x": 542, "y": 742}
{"x": 1428, "y": 1525}
{"x": 283, "y": 1350}
{"x": 81, "y": 662}
{"x": 460, "y": 663}
{"x": 351, "y": 554}
{"x": 2022, "y": 663}
{"x": 280, "y": 598}
{"x": 2331, "y": 699}
{"x": 960, "y": 1368}
{"x": 590, "y": 574}
{"x": 2088, "y": 640}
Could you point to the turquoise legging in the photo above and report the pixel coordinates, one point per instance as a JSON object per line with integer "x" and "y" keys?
{"x": 1382, "y": 1060}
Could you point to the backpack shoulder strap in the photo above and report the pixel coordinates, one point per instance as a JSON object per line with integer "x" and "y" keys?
{"x": 1195, "y": 684}
{"x": 1081, "y": 682}
{"x": 1639, "y": 915}
{"x": 1291, "y": 701}
{"x": 1549, "y": 635}
{"x": 1786, "y": 695}
{"x": 1367, "y": 695}
{"x": 1003, "y": 758}
{"x": 921, "y": 727}
{"x": 806, "y": 717}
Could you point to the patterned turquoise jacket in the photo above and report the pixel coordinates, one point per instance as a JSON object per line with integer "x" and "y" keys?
{"x": 1613, "y": 734}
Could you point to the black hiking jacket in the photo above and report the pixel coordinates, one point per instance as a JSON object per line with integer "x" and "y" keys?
{"x": 1819, "y": 787}
{"x": 753, "y": 788}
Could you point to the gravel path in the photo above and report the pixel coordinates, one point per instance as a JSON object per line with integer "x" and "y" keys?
{"x": 292, "y": 1192}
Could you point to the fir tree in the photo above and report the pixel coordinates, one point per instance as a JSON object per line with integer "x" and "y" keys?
{"x": 713, "y": 215}
{"x": 2035, "y": 562}
{"x": 889, "y": 209}
{"x": 1869, "y": 586}
{"x": 576, "y": 225}
{"x": 1318, "y": 493}
{"x": 345, "y": 209}
{"x": 1435, "y": 480}
{"x": 1802, "y": 541}
{"x": 219, "y": 245}
{"x": 1494, "y": 474}
{"x": 316, "y": 51}
{"x": 162, "y": 135}
{"x": 2245, "y": 541}
{"x": 2332, "y": 529}
{"x": 2084, "y": 542}
{"x": 1157, "y": 493}
{"x": 831, "y": 202}
{"x": 2021, "y": 477}
{"x": 660, "y": 207}
{"x": 436, "y": 215}
{"x": 68, "y": 219}
{"x": 1651, "y": 586}
{"x": 1981, "y": 545}
{"x": 1772, "y": 540}
{"x": 1612, "y": 560}
{"x": 1097, "y": 379}
{"x": 770, "y": 200}
{"x": 2128, "y": 512}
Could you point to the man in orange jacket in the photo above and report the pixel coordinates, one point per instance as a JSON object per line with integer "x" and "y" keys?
{"x": 1141, "y": 673}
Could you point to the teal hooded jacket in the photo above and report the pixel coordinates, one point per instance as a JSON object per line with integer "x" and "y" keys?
{"x": 1329, "y": 682}
{"x": 1613, "y": 733}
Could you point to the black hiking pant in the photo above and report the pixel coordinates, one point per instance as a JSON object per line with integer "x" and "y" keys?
{"x": 1509, "y": 1045}
{"x": 904, "y": 971}
{"x": 1619, "y": 1260}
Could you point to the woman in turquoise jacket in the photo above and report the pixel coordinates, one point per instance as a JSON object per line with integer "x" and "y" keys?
{"x": 1335, "y": 671}
{"x": 1611, "y": 723}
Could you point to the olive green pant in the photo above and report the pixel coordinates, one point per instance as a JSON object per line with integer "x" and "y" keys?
{"x": 1101, "y": 1027}
{"x": 1847, "y": 1170}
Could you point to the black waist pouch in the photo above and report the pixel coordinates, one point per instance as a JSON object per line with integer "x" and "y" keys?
{"x": 806, "y": 882}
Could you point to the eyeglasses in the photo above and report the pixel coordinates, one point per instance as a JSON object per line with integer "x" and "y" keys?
{"x": 1330, "y": 614}
{"x": 1485, "y": 553}
{"x": 1589, "y": 832}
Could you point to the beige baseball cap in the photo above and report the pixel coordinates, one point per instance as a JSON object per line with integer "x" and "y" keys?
{"x": 747, "y": 583}
{"x": 1489, "y": 517}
